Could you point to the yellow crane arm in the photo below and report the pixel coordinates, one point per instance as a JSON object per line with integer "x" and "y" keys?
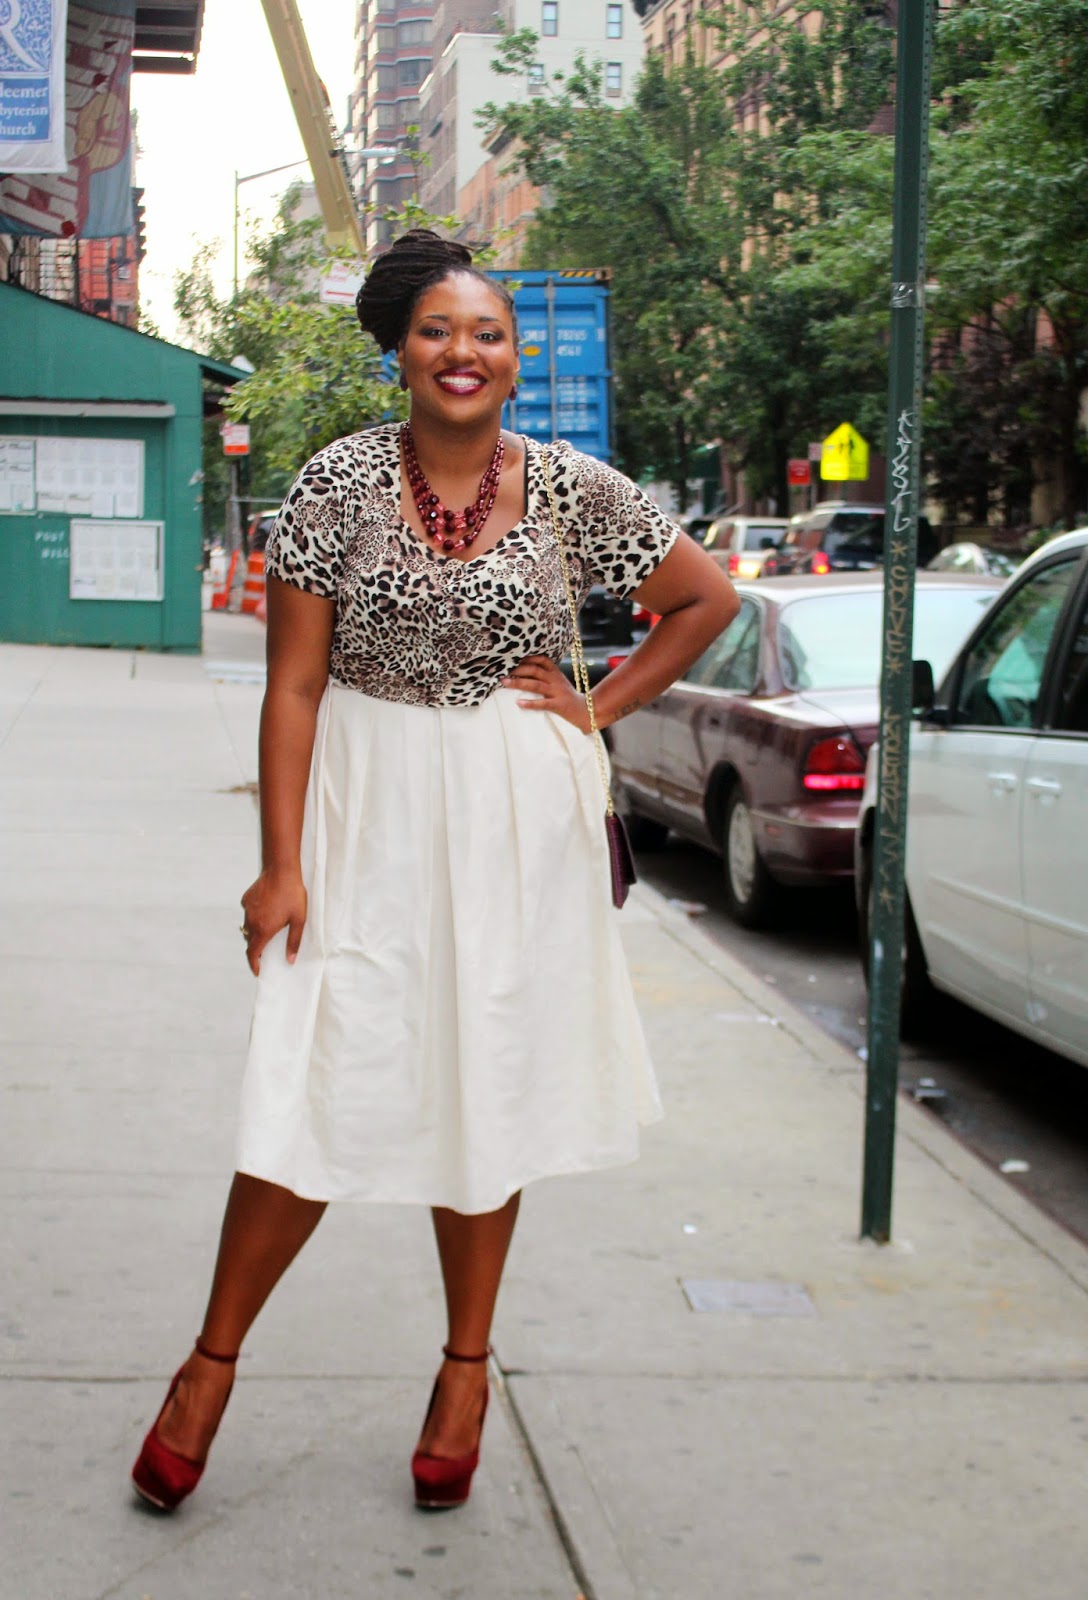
{"x": 315, "y": 123}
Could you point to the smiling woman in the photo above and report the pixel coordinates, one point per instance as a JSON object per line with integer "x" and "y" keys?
{"x": 435, "y": 870}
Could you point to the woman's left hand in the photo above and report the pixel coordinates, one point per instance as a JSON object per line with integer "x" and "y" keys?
{"x": 540, "y": 677}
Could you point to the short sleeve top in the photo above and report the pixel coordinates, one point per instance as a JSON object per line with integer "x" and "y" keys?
{"x": 419, "y": 627}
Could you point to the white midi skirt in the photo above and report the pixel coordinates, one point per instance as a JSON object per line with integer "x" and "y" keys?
{"x": 460, "y": 1018}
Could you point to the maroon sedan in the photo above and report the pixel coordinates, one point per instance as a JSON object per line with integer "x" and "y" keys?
{"x": 759, "y": 750}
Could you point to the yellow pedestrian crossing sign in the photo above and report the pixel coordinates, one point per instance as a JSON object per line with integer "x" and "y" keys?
{"x": 845, "y": 455}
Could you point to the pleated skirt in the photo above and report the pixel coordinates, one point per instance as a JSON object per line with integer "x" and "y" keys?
{"x": 460, "y": 1019}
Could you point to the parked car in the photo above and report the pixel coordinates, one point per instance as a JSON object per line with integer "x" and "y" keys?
{"x": 759, "y": 751}
{"x": 610, "y": 628}
{"x": 837, "y": 537}
{"x": 969, "y": 557}
{"x": 996, "y": 864}
{"x": 747, "y": 547}
{"x": 696, "y": 523}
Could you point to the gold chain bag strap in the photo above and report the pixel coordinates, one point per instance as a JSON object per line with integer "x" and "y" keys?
{"x": 620, "y": 859}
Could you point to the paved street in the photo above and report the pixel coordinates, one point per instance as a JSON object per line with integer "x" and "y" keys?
{"x": 907, "y": 1421}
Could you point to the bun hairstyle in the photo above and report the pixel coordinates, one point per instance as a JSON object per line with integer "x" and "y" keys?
{"x": 413, "y": 264}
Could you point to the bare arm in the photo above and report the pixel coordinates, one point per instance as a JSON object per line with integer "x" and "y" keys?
{"x": 694, "y": 600}
{"x": 300, "y": 629}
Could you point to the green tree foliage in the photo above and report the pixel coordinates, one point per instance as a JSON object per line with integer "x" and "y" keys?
{"x": 316, "y": 377}
{"x": 692, "y": 194}
{"x": 747, "y": 216}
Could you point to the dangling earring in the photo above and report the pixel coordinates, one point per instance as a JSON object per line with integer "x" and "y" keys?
{"x": 403, "y": 380}
{"x": 514, "y": 392}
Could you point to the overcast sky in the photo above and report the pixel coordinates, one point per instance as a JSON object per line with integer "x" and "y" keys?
{"x": 232, "y": 115}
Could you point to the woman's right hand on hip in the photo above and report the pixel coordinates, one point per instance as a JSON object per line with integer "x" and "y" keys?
{"x": 276, "y": 900}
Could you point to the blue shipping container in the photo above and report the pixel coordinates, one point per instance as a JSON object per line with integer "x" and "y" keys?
{"x": 565, "y": 384}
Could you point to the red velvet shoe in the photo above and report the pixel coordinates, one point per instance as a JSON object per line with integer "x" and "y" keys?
{"x": 443, "y": 1482}
{"x": 161, "y": 1476}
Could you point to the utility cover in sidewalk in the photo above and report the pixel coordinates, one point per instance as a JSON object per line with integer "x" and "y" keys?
{"x": 751, "y": 1299}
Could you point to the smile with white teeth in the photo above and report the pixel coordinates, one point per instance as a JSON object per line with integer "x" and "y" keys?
{"x": 460, "y": 382}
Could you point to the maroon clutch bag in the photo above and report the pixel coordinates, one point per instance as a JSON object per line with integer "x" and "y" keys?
{"x": 620, "y": 859}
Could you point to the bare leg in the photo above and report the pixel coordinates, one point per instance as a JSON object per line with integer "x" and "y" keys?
{"x": 472, "y": 1252}
{"x": 264, "y": 1228}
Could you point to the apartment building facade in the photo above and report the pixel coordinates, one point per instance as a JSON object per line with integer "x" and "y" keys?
{"x": 473, "y": 179}
{"x": 394, "y": 41}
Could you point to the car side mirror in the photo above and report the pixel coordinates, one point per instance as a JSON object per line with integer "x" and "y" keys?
{"x": 923, "y": 694}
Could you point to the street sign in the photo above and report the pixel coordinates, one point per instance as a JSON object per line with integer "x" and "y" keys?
{"x": 845, "y": 455}
{"x": 235, "y": 437}
{"x": 341, "y": 282}
{"x": 815, "y": 449}
{"x": 799, "y": 473}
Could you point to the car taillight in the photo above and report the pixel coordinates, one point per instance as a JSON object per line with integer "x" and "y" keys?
{"x": 835, "y": 764}
{"x": 770, "y": 566}
{"x": 640, "y": 617}
{"x": 734, "y": 564}
{"x": 820, "y": 563}
{"x": 616, "y": 661}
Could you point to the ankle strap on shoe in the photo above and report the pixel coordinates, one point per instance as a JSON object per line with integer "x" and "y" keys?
{"x": 214, "y": 1355}
{"x": 454, "y": 1355}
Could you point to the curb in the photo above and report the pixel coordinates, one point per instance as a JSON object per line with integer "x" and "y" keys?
{"x": 913, "y": 1124}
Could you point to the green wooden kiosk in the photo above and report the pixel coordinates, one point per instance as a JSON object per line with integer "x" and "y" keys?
{"x": 100, "y": 479}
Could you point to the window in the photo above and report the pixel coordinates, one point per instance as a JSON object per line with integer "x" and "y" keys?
{"x": 536, "y": 77}
{"x": 411, "y": 71}
{"x": 833, "y": 641}
{"x": 382, "y": 78}
{"x": 614, "y": 26}
{"x": 732, "y": 661}
{"x": 549, "y": 18}
{"x": 1072, "y": 708}
{"x": 385, "y": 38}
{"x": 412, "y": 33}
{"x": 613, "y": 78}
{"x": 757, "y": 534}
{"x": 1002, "y": 675}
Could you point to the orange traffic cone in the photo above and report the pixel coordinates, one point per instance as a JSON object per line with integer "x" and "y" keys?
{"x": 253, "y": 593}
{"x": 221, "y": 594}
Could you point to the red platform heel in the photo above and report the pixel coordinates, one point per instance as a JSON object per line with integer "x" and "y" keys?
{"x": 442, "y": 1482}
{"x": 161, "y": 1476}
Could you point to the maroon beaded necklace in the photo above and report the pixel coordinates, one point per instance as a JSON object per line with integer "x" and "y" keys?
{"x": 439, "y": 522}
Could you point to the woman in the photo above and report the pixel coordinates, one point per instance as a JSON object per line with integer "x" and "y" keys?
{"x": 434, "y": 867}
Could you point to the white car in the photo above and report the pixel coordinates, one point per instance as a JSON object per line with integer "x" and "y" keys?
{"x": 997, "y": 823}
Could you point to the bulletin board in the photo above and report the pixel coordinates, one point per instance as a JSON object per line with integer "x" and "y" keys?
{"x": 76, "y": 476}
{"x": 112, "y": 560}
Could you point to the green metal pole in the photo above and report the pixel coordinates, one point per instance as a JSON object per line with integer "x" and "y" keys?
{"x": 914, "y": 59}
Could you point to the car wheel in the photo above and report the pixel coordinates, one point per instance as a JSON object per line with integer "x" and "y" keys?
{"x": 750, "y": 891}
{"x": 920, "y": 1002}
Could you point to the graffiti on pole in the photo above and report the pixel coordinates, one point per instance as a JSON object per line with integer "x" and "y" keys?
{"x": 897, "y": 648}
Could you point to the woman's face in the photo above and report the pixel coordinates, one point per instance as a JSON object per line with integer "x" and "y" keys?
{"x": 459, "y": 355}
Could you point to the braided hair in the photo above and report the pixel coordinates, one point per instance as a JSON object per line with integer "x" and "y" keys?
{"x": 413, "y": 264}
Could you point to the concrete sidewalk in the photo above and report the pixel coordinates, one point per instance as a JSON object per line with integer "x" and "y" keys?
{"x": 907, "y": 1422}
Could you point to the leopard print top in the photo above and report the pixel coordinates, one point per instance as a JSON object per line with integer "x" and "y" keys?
{"x": 418, "y": 627}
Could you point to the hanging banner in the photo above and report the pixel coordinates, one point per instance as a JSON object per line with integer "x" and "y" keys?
{"x": 91, "y": 198}
{"x": 32, "y": 34}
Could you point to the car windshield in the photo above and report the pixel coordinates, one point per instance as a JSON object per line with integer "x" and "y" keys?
{"x": 756, "y": 532}
{"x": 855, "y": 528}
{"x": 833, "y": 641}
